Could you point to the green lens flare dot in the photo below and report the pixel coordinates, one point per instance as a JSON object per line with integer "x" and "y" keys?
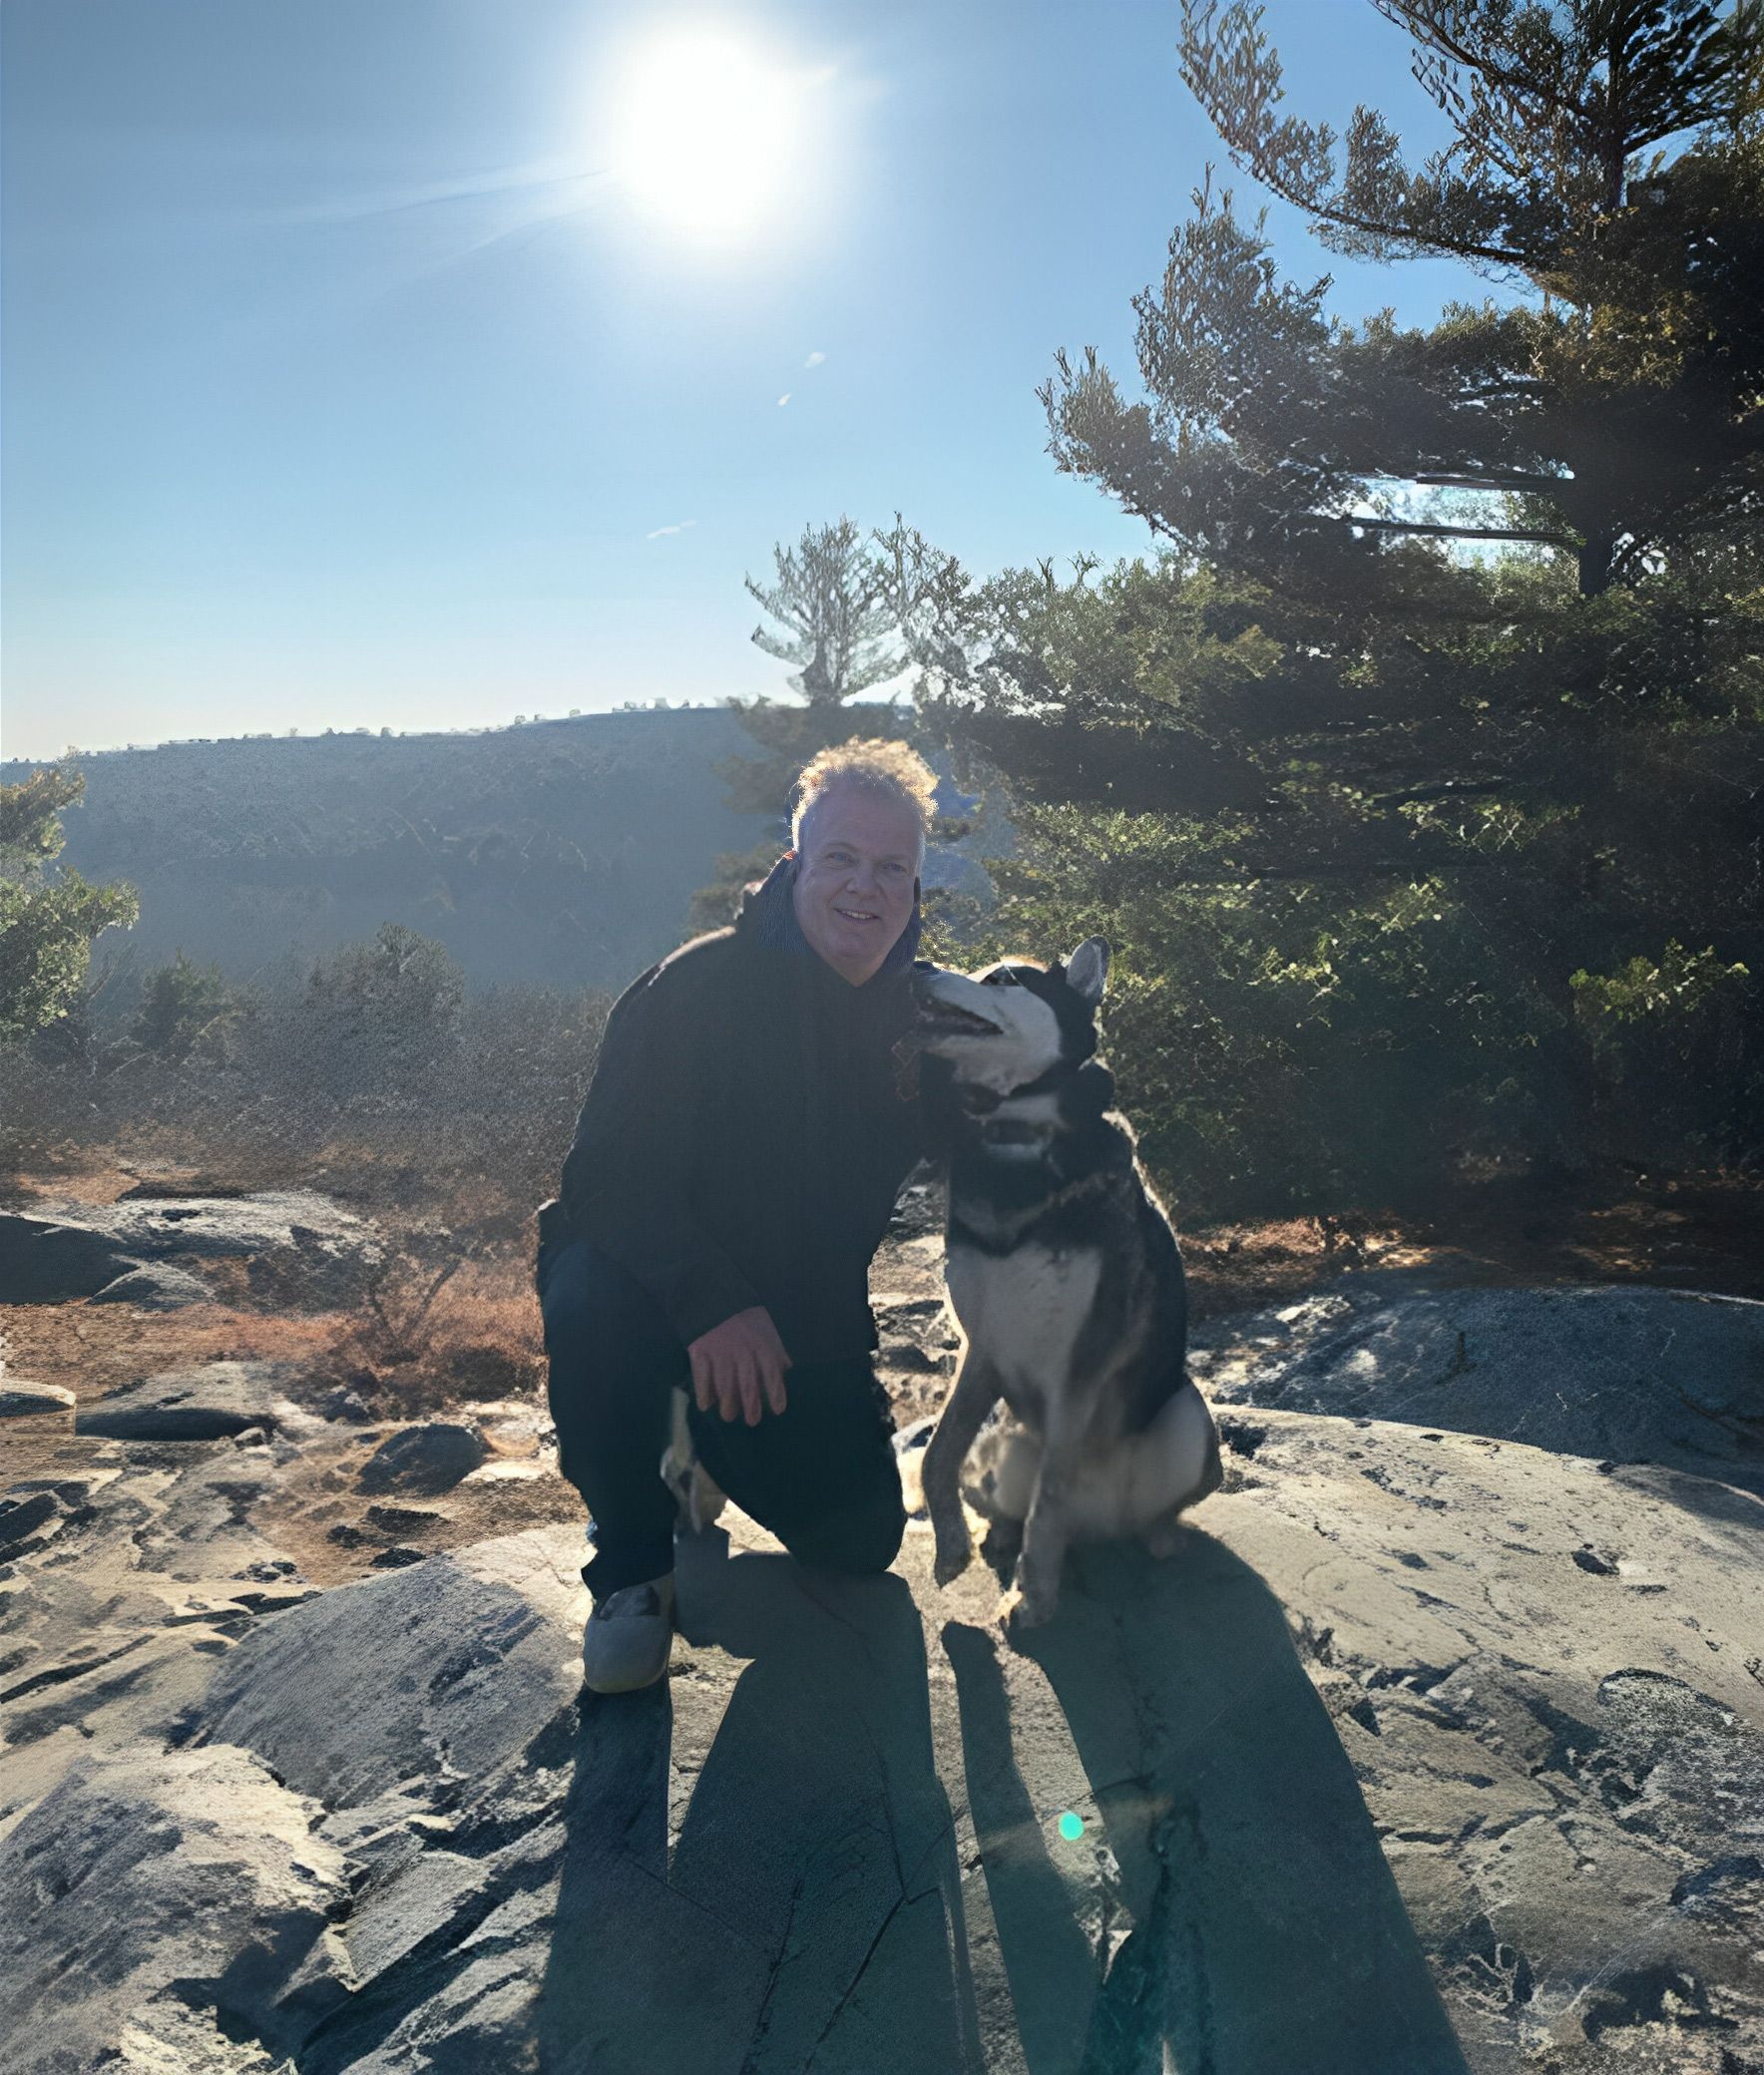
{"x": 1072, "y": 1826}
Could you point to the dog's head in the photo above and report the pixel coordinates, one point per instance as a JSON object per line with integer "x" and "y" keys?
{"x": 1015, "y": 1021}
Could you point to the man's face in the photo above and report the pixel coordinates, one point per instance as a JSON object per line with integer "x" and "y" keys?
{"x": 859, "y": 858}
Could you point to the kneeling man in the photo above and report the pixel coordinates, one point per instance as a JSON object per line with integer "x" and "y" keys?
{"x": 732, "y": 1172}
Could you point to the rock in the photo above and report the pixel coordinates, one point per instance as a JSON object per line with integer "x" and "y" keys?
{"x": 906, "y": 1355}
{"x": 207, "y": 1402}
{"x": 27, "y": 1521}
{"x": 917, "y": 1435}
{"x": 1546, "y": 1750}
{"x": 898, "y": 1304}
{"x": 162, "y": 1907}
{"x": 404, "y": 1519}
{"x": 500, "y": 1470}
{"x": 427, "y": 1458}
{"x": 49, "y": 1260}
{"x": 155, "y": 1286}
{"x": 343, "y": 1403}
{"x": 395, "y": 1558}
{"x": 432, "y": 1675}
{"x": 300, "y": 1238}
{"x": 19, "y": 1400}
{"x": 1618, "y": 1372}
{"x": 1425, "y": 1752}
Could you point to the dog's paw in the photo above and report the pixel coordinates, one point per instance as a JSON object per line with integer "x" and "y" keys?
{"x": 1018, "y": 1611}
{"x": 951, "y": 1561}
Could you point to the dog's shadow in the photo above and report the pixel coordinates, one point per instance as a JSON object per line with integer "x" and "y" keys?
{"x": 1269, "y": 1936}
{"x": 809, "y": 1912}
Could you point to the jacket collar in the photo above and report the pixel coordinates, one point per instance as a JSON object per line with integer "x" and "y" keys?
{"x": 768, "y": 917}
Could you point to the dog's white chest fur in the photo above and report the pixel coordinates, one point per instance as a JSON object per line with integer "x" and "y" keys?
{"x": 1023, "y": 1310}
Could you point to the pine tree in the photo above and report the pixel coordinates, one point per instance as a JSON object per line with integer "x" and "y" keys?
{"x": 47, "y": 926}
{"x": 185, "y": 1009}
{"x": 1420, "y": 781}
{"x": 831, "y": 600}
{"x": 1607, "y": 156}
{"x": 846, "y": 604}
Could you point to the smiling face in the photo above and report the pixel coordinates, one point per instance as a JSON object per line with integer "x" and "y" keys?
{"x": 859, "y": 855}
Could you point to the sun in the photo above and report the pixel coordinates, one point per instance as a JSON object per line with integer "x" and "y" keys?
{"x": 704, "y": 132}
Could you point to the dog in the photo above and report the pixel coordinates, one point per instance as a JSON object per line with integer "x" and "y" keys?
{"x": 1065, "y": 1278}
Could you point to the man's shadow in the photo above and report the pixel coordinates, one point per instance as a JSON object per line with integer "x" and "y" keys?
{"x": 809, "y": 1915}
{"x": 1269, "y": 1936}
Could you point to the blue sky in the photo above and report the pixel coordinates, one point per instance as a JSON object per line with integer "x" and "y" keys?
{"x": 346, "y": 385}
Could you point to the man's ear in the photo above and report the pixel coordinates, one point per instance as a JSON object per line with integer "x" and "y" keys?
{"x": 1086, "y": 971}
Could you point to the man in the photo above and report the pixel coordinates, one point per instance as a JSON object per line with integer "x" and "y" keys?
{"x": 732, "y": 1172}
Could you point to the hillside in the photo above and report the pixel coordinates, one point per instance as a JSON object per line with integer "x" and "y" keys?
{"x": 562, "y": 852}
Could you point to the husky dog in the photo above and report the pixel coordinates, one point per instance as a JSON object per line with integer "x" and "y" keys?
{"x": 1065, "y": 1277}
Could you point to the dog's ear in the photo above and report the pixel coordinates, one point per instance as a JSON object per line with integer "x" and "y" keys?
{"x": 1086, "y": 971}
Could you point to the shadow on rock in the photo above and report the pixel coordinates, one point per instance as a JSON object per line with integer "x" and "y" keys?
{"x": 1269, "y": 1934}
{"x": 808, "y": 1916}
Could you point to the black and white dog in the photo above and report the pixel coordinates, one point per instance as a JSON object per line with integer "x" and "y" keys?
{"x": 1065, "y": 1278}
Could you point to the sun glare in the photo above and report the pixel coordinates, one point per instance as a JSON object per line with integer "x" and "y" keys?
{"x": 704, "y": 132}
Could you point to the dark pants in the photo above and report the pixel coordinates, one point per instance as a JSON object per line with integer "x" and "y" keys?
{"x": 821, "y": 1474}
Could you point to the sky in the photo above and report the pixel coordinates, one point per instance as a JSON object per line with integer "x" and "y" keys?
{"x": 420, "y": 364}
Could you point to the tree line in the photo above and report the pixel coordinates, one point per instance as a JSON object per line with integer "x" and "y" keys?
{"x": 1416, "y": 772}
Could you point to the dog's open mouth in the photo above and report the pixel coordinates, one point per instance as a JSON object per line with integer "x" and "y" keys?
{"x": 945, "y": 1015}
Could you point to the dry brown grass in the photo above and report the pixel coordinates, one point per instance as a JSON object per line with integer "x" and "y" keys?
{"x": 478, "y": 1338}
{"x": 481, "y": 1337}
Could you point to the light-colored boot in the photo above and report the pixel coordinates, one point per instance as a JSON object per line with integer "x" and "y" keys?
{"x": 629, "y": 1636}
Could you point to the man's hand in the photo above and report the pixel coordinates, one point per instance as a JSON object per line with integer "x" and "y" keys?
{"x": 734, "y": 1363}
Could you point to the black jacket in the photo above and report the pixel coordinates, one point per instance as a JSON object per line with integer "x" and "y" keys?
{"x": 743, "y": 1140}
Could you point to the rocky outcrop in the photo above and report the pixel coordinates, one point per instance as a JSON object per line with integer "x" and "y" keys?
{"x": 190, "y": 1904}
{"x": 424, "y": 1460}
{"x": 129, "y": 1251}
{"x": 213, "y": 1401}
{"x": 155, "y": 1286}
{"x": 1625, "y": 1373}
{"x": 46, "y": 1259}
{"x": 1427, "y": 1751}
{"x": 19, "y": 1400}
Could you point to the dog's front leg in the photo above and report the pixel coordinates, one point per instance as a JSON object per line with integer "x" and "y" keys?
{"x": 1046, "y": 1531}
{"x": 972, "y": 1394}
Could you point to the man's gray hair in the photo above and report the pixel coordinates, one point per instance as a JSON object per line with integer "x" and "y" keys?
{"x": 888, "y": 770}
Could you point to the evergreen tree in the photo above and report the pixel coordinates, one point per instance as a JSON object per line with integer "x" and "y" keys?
{"x": 1420, "y": 782}
{"x": 185, "y": 1009}
{"x": 846, "y": 603}
{"x": 47, "y": 926}
{"x": 832, "y": 600}
{"x": 1608, "y": 154}
{"x": 1477, "y": 892}
{"x": 378, "y": 1014}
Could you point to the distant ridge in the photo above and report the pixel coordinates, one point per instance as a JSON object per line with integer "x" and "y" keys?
{"x": 560, "y": 853}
